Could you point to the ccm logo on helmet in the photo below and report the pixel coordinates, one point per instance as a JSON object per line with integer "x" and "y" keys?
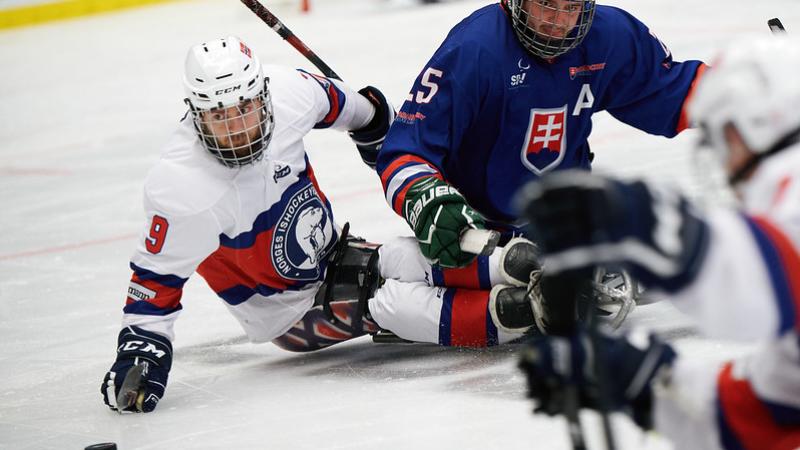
{"x": 230, "y": 89}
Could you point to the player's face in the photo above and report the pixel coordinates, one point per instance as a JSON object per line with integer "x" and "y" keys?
{"x": 236, "y": 127}
{"x": 553, "y": 18}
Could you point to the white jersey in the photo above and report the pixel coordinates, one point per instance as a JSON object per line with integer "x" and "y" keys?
{"x": 748, "y": 289}
{"x": 259, "y": 234}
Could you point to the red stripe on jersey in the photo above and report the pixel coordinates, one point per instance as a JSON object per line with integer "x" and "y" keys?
{"x": 313, "y": 178}
{"x": 333, "y": 114}
{"x": 790, "y": 259}
{"x": 392, "y": 167}
{"x": 683, "y": 122}
{"x": 468, "y": 320}
{"x": 166, "y": 297}
{"x": 748, "y": 418}
{"x": 463, "y": 277}
{"x": 791, "y": 441}
{"x": 400, "y": 198}
{"x": 783, "y": 186}
{"x": 229, "y": 267}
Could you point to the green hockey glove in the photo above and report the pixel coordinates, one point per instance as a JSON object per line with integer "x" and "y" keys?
{"x": 438, "y": 214}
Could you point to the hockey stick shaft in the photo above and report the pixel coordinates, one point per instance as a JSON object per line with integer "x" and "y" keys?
{"x": 283, "y": 31}
{"x": 572, "y": 414}
{"x": 561, "y": 294}
{"x": 601, "y": 375}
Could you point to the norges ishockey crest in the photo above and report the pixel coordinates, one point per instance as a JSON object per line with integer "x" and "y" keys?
{"x": 546, "y": 140}
{"x": 303, "y": 236}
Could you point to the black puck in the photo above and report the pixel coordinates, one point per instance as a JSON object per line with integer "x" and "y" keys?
{"x": 103, "y": 446}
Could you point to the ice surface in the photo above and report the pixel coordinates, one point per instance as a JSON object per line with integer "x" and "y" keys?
{"x": 86, "y": 105}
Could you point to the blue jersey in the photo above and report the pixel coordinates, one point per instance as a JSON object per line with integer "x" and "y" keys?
{"x": 487, "y": 117}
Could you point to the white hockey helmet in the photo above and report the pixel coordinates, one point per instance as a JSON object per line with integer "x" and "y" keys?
{"x": 229, "y": 99}
{"x": 531, "y": 20}
{"x": 753, "y": 86}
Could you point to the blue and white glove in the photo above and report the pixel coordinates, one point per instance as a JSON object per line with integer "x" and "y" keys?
{"x": 580, "y": 220}
{"x": 138, "y": 378}
{"x": 553, "y": 365}
{"x": 369, "y": 139}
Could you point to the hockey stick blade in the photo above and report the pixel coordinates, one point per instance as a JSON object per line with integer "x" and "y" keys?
{"x": 131, "y": 393}
{"x": 776, "y": 26}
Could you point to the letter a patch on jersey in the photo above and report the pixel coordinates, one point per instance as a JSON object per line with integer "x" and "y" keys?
{"x": 546, "y": 140}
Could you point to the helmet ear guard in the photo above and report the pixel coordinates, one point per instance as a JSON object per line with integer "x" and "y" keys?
{"x": 223, "y": 80}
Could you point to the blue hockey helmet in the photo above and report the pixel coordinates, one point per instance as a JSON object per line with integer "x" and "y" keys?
{"x": 549, "y": 28}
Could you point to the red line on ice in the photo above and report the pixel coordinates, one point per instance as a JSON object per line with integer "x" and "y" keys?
{"x": 64, "y": 248}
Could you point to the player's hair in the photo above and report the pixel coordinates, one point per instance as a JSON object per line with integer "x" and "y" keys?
{"x": 539, "y": 42}
{"x": 225, "y": 85}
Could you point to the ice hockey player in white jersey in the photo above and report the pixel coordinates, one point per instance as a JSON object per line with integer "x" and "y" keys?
{"x": 737, "y": 272}
{"x": 234, "y": 198}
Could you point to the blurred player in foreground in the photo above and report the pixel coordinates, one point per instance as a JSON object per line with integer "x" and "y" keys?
{"x": 508, "y": 96}
{"x": 736, "y": 271}
{"x": 234, "y": 199}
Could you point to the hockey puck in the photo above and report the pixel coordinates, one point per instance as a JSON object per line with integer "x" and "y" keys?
{"x": 103, "y": 446}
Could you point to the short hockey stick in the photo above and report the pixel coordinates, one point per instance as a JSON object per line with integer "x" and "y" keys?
{"x": 264, "y": 14}
{"x": 131, "y": 393}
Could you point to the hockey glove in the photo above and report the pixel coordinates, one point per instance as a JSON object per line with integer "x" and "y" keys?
{"x": 137, "y": 379}
{"x": 369, "y": 139}
{"x": 553, "y": 365}
{"x": 438, "y": 214}
{"x": 582, "y": 219}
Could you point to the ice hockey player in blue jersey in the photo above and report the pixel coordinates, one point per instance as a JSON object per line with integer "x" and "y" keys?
{"x": 508, "y": 96}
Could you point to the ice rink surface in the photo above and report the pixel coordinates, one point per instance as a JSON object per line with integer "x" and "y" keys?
{"x": 86, "y": 105}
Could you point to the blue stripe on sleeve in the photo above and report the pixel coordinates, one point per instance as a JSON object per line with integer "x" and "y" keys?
{"x": 438, "y": 276}
{"x": 777, "y": 275}
{"x": 149, "y": 309}
{"x": 171, "y": 281}
{"x": 446, "y": 317}
{"x": 783, "y": 415}
{"x": 727, "y": 437}
{"x": 483, "y": 273}
{"x": 491, "y": 330}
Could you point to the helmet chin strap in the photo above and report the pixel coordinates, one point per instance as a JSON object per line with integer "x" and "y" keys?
{"x": 756, "y": 159}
